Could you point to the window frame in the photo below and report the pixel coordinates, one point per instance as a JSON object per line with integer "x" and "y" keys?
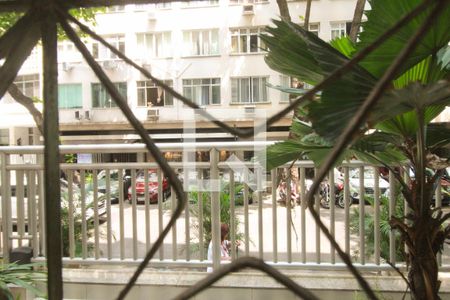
{"x": 99, "y": 50}
{"x": 343, "y": 29}
{"x": 80, "y": 96}
{"x": 243, "y": 2}
{"x": 153, "y": 51}
{"x": 198, "y": 4}
{"x": 211, "y": 85}
{"x": 238, "y": 33}
{"x": 22, "y": 80}
{"x": 148, "y": 85}
{"x": 189, "y": 47}
{"x": 4, "y": 138}
{"x": 250, "y": 89}
{"x": 115, "y": 9}
{"x": 121, "y": 86}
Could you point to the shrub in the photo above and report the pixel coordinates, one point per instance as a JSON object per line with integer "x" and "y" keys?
{"x": 385, "y": 228}
{"x": 225, "y": 215}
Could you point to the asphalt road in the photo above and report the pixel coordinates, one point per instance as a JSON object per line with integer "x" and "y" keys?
{"x": 135, "y": 238}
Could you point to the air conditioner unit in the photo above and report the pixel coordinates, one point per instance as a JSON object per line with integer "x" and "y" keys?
{"x": 66, "y": 67}
{"x": 87, "y": 114}
{"x": 249, "y": 110}
{"x": 152, "y": 114}
{"x": 109, "y": 64}
{"x": 77, "y": 115}
{"x": 247, "y": 9}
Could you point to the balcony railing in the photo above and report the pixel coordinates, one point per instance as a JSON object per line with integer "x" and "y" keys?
{"x": 112, "y": 212}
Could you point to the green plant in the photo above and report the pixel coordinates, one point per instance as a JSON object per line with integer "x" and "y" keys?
{"x": 385, "y": 228}
{"x": 225, "y": 215}
{"x": 25, "y": 276}
{"x": 239, "y": 193}
{"x": 77, "y": 220}
{"x": 394, "y": 128}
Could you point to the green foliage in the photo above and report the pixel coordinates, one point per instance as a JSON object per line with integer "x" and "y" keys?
{"x": 295, "y": 52}
{"x": 25, "y": 276}
{"x": 384, "y": 14}
{"x": 7, "y": 20}
{"x": 86, "y": 15}
{"x": 77, "y": 220}
{"x": 344, "y": 45}
{"x": 385, "y": 228}
{"x": 70, "y": 158}
{"x": 225, "y": 214}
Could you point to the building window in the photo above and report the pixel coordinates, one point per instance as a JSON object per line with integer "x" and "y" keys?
{"x": 314, "y": 28}
{"x": 67, "y": 52}
{"x": 248, "y": 90}
{"x": 149, "y": 94}
{"x": 102, "y": 99}
{"x": 246, "y": 40}
{"x": 115, "y": 8}
{"x": 202, "y": 91}
{"x": 69, "y": 96}
{"x": 28, "y": 85}
{"x": 200, "y": 3}
{"x": 101, "y": 52}
{"x": 154, "y": 44}
{"x": 291, "y": 82}
{"x": 201, "y": 42}
{"x": 4, "y": 137}
{"x": 340, "y": 29}
{"x": 248, "y": 1}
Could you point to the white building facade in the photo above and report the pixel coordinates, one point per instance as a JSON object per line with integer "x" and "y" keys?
{"x": 207, "y": 50}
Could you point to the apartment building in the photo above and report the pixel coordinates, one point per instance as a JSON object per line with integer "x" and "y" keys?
{"x": 207, "y": 50}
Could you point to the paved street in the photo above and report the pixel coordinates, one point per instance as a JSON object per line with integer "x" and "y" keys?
{"x": 268, "y": 236}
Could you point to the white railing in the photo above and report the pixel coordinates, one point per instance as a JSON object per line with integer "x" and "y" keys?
{"x": 112, "y": 214}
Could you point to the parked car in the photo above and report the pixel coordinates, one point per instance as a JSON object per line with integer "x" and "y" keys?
{"x": 152, "y": 187}
{"x": 369, "y": 176}
{"x": 113, "y": 184}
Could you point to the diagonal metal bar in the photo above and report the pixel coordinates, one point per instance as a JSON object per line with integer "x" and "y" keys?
{"x": 353, "y": 127}
{"x": 16, "y": 32}
{"x": 295, "y": 103}
{"x": 248, "y": 132}
{"x": 154, "y": 150}
{"x": 241, "y": 263}
{"x": 22, "y": 48}
{"x": 23, "y": 5}
{"x": 51, "y": 155}
{"x": 339, "y": 72}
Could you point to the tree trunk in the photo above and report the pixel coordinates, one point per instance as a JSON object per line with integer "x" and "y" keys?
{"x": 423, "y": 274}
{"x": 284, "y": 10}
{"x": 357, "y": 17}
{"x": 307, "y": 14}
{"x": 28, "y": 103}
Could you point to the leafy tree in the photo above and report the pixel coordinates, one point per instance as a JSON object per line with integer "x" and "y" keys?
{"x": 9, "y": 19}
{"x": 225, "y": 215}
{"x": 397, "y": 131}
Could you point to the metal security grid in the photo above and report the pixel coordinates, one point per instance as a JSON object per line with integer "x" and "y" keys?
{"x": 40, "y": 22}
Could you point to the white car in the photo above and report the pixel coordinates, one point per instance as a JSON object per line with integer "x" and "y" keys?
{"x": 369, "y": 183}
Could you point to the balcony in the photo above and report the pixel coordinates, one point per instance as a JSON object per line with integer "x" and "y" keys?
{"x": 114, "y": 211}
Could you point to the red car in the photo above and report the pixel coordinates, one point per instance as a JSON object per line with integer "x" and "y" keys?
{"x": 152, "y": 187}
